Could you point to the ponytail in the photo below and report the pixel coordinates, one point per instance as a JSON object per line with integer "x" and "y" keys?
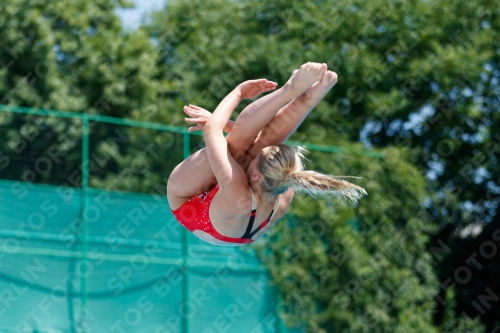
{"x": 282, "y": 168}
{"x": 318, "y": 184}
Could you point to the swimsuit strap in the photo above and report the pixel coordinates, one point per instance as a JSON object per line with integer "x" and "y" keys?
{"x": 275, "y": 209}
{"x": 254, "y": 201}
{"x": 248, "y": 232}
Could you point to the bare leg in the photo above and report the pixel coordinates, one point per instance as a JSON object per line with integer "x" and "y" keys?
{"x": 289, "y": 118}
{"x": 258, "y": 114}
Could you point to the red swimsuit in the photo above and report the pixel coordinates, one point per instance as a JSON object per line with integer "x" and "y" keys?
{"x": 194, "y": 216}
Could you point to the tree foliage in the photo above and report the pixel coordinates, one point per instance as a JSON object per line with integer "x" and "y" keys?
{"x": 362, "y": 268}
{"x": 418, "y": 81}
{"x": 76, "y": 56}
{"x": 420, "y": 75}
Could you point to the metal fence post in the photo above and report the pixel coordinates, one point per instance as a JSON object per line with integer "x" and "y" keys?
{"x": 84, "y": 230}
{"x": 185, "y": 149}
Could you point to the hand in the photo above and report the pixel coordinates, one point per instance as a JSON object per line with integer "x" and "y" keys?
{"x": 253, "y": 88}
{"x": 200, "y": 117}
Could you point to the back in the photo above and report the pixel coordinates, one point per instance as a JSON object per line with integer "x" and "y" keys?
{"x": 230, "y": 213}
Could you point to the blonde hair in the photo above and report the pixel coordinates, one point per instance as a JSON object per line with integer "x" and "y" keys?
{"x": 282, "y": 168}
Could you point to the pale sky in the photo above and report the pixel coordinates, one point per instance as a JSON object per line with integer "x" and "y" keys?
{"x": 131, "y": 18}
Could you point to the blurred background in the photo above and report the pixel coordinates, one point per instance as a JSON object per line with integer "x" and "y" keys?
{"x": 91, "y": 125}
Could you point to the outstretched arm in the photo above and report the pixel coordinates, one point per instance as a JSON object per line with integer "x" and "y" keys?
{"x": 229, "y": 174}
{"x": 223, "y": 112}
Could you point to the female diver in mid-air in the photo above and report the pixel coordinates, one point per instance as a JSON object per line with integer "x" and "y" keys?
{"x": 218, "y": 192}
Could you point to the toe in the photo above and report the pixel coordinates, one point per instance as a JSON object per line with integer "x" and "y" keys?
{"x": 320, "y": 69}
{"x": 334, "y": 77}
{"x": 331, "y": 78}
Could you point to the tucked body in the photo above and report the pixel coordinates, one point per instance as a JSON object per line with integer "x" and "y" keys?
{"x": 233, "y": 190}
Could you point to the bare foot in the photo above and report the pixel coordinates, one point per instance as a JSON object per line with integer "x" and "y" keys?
{"x": 320, "y": 88}
{"x": 303, "y": 78}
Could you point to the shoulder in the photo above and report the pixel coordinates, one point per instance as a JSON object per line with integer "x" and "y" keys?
{"x": 236, "y": 187}
{"x": 234, "y": 198}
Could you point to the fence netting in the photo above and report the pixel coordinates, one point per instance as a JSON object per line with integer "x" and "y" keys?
{"x": 108, "y": 256}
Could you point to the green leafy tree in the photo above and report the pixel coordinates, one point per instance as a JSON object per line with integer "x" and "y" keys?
{"x": 411, "y": 74}
{"x": 74, "y": 56}
{"x": 361, "y": 268}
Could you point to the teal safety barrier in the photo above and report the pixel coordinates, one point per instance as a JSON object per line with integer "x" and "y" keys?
{"x": 79, "y": 254}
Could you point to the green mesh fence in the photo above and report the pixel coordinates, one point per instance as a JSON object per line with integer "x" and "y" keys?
{"x": 88, "y": 242}
{"x": 135, "y": 270}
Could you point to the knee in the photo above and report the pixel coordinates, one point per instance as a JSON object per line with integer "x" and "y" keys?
{"x": 253, "y": 152}
{"x": 237, "y": 147}
{"x": 238, "y": 154}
